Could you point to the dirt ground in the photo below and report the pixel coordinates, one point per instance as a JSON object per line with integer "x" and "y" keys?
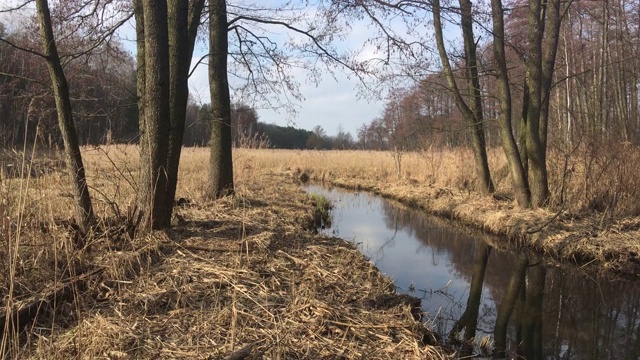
{"x": 242, "y": 277}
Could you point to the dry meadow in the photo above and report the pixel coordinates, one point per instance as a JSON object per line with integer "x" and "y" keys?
{"x": 242, "y": 277}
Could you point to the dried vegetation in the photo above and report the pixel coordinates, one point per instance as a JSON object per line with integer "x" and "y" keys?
{"x": 242, "y": 277}
{"x": 593, "y": 218}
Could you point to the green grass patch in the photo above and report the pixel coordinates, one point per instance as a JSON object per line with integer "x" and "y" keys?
{"x": 323, "y": 206}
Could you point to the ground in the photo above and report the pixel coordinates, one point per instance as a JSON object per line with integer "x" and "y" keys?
{"x": 245, "y": 276}
{"x": 242, "y": 277}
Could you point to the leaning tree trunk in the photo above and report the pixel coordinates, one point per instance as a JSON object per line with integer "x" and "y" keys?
{"x": 154, "y": 128}
{"x": 518, "y": 177}
{"x": 221, "y": 166}
{"x": 473, "y": 115}
{"x": 84, "y": 210}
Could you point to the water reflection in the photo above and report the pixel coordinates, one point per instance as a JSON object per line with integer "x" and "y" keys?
{"x": 472, "y": 292}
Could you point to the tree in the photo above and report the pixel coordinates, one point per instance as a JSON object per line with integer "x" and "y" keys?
{"x": 75, "y": 166}
{"x": 165, "y": 35}
{"x": 472, "y": 112}
{"x": 244, "y": 121}
{"x": 520, "y": 185}
{"x": 250, "y": 53}
{"x": 221, "y": 159}
{"x": 318, "y": 139}
{"x": 529, "y": 168}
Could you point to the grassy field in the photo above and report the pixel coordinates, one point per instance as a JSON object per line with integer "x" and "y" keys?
{"x": 242, "y": 276}
{"x": 247, "y": 273}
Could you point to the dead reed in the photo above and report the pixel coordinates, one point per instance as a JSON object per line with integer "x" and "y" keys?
{"x": 243, "y": 277}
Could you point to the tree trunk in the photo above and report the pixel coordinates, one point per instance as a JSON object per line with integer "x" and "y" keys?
{"x": 184, "y": 18}
{"x": 154, "y": 129}
{"x": 83, "y": 208}
{"x": 520, "y": 185}
{"x": 537, "y": 174}
{"x": 221, "y": 162}
{"x": 472, "y": 115}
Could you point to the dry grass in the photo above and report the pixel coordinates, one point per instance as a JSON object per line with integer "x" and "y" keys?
{"x": 236, "y": 274}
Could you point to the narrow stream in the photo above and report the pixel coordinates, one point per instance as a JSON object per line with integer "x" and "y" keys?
{"x": 514, "y": 300}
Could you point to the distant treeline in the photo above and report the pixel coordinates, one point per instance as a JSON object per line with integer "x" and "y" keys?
{"x": 248, "y": 131}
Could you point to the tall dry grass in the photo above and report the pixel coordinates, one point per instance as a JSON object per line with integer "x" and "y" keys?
{"x": 587, "y": 178}
{"x": 38, "y": 252}
{"x": 186, "y": 301}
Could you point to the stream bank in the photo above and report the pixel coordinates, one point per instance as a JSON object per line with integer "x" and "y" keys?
{"x": 241, "y": 277}
{"x": 486, "y": 299}
{"x": 590, "y": 239}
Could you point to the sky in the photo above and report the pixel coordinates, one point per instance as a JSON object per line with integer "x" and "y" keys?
{"x": 332, "y": 103}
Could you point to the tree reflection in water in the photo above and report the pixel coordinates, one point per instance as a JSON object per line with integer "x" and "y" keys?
{"x": 527, "y": 307}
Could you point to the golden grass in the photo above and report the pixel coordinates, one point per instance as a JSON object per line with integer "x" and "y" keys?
{"x": 246, "y": 273}
{"x": 239, "y": 274}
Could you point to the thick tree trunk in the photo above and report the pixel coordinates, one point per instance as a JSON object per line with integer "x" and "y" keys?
{"x": 473, "y": 115}
{"x": 154, "y": 131}
{"x": 84, "y": 209}
{"x": 184, "y": 18}
{"x": 221, "y": 163}
{"x": 520, "y": 185}
{"x": 537, "y": 158}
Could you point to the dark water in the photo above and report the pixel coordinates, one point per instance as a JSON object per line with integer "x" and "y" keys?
{"x": 515, "y": 300}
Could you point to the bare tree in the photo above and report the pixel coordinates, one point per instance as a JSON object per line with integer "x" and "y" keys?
{"x": 472, "y": 112}
{"x": 84, "y": 210}
{"x": 165, "y": 37}
{"x": 242, "y": 47}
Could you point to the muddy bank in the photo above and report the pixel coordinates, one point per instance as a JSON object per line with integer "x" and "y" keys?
{"x": 592, "y": 240}
{"x": 243, "y": 277}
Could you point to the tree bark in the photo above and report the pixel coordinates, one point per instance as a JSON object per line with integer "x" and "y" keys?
{"x": 473, "y": 114}
{"x": 221, "y": 161}
{"x": 154, "y": 131}
{"x": 184, "y": 18}
{"x": 537, "y": 174}
{"x": 521, "y": 188}
{"x": 83, "y": 207}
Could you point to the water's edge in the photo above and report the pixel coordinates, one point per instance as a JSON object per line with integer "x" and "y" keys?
{"x": 464, "y": 280}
